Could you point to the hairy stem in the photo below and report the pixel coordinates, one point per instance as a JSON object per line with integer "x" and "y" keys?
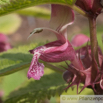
{"x": 93, "y": 38}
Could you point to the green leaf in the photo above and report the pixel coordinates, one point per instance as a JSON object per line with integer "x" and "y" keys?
{"x": 39, "y": 12}
{"x": 8, "y": 6}
{"x": 8, "y": 84}
{"x": 49, "y": 85}
{"x": 15, "y": 59}
{"x": 71, "y": 2}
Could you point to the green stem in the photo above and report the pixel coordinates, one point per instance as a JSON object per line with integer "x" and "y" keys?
{"x": 93, "y": 38}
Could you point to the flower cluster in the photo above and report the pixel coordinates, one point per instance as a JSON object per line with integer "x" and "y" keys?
{"x": 83, "y": 68}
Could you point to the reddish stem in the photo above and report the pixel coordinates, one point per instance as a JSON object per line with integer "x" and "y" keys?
{"x": 93, "y": 38}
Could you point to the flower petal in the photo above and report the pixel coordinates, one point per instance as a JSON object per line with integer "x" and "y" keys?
{"x": 85, "y": 4}
{"x": 79, "y": 40}
{"x": 101, "y": 83}
{"x": 57, "y": 51}
{"x": 36, "y": 68}
{"x": 4, "y": 46}
{"x": 60, "y": 16}
{"x": 3, "y": 38}
{"x": 57, "y": 48}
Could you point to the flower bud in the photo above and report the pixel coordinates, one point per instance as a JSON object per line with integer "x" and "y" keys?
{"x": 90, "y": 6}
{"x": 67, "y": 76}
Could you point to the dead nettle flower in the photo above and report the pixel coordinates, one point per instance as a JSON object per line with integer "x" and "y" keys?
{"x": 59, "y": 50}
{"x": 90, "y": 6}
{"x": 4, "y": 45}
{"x": 91, "y": 75}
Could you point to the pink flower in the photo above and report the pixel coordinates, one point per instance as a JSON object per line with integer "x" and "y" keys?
{"x": 59, "y": 50}
{"x": 4, "y": 45}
